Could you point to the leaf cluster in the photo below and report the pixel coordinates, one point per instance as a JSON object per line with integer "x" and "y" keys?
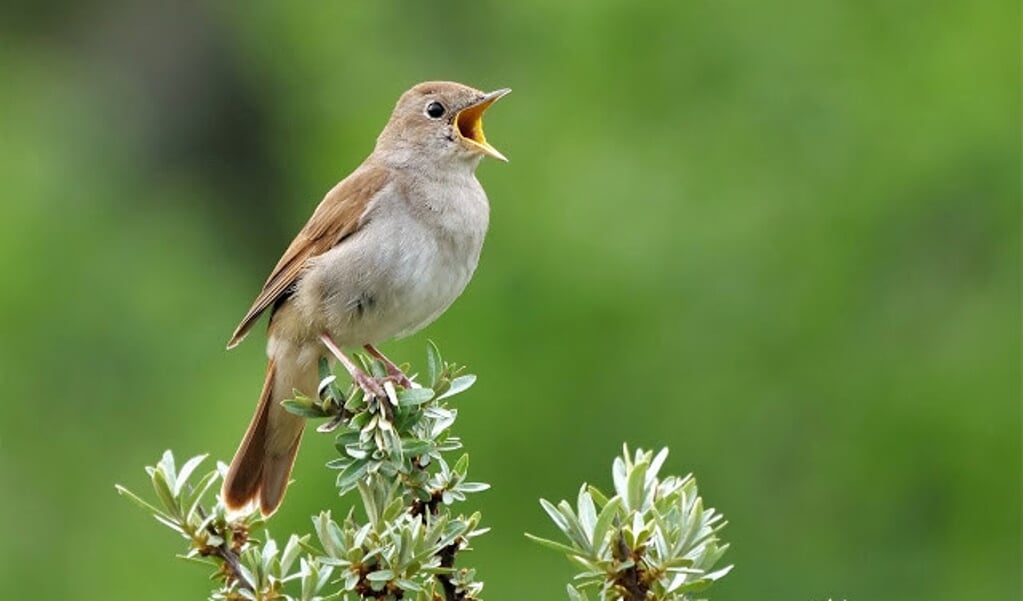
{"x": 653, "y": 539}
{"x": 403, "y": 436}
{"x": 393, "y": 452}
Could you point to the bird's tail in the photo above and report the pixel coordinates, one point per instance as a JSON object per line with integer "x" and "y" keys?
{"x": 262, "y": 464}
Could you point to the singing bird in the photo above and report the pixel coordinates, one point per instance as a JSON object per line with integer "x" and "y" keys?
{"x": 386, "y": 252}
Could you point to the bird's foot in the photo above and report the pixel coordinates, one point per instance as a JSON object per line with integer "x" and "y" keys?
{"x": 398, "y": 378}
{"x": 369, "y": 385}
{"x": 394, "y": 373}
{"x": 381, "y": 389}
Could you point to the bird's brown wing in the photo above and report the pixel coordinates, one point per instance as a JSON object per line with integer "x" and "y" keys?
{"x": 339, "y": 215}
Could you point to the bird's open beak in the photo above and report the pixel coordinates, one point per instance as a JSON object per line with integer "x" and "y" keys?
{"x": 469, "y": 124}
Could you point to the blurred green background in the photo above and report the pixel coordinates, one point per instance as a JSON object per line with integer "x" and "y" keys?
{"x": 780, "y": 238}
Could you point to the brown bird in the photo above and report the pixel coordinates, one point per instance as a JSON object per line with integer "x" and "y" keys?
{"x": 386, "y": 252}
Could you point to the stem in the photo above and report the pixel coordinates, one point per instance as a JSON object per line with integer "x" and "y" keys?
{"x": 234, "y": 566}
{"x": 447, "y": 560}
{"x": 229, "y": 557}
{"x": 631, "y": 579}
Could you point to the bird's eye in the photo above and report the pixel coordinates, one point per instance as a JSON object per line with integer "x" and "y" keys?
{"x": 435, "y": 110}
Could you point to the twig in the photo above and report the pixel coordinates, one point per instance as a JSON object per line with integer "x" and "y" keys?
{"x": 630, "y": 579}
{"x": 447, "y": 560}
{"x": 228, "y": 556}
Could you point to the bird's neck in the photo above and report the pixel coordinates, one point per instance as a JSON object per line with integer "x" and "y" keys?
{"x": 413, "y": 161}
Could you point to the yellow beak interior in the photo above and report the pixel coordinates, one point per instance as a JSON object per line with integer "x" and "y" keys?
{"x": 469, "y": 123}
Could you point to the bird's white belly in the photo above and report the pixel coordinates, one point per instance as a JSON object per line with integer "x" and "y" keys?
{"x": 424, "y": 284}
{"x": 385, "y": 282}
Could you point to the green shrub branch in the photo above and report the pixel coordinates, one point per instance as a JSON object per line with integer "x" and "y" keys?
{"x": 651, "y": 540}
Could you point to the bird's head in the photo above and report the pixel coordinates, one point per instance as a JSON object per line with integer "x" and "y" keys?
{"x": 442, "y": 121}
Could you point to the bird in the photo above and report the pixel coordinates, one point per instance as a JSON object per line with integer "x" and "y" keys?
{"x": 386, "y": 252}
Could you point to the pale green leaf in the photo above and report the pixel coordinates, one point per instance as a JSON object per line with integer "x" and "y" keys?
{"x": 550, "y": 544}
{"x": 458, "y": 385}
{"x": 186, "y": 472}
{"x": 434, "y": 363}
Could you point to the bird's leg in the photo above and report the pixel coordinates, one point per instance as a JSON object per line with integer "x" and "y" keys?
{"x": 393, "y": 371}
{"x": 367, "y": 383}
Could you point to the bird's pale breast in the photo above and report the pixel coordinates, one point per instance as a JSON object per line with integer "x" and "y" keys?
{"x": 401, "y": 270}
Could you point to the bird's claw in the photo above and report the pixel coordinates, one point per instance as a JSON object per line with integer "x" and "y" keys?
{"x": 369, "y": 385}
{"x": 399, "y": 378}
{"x": 394, "y": 373}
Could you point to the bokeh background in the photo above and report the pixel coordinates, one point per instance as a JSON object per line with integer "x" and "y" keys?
{"x": 781, "y": 239}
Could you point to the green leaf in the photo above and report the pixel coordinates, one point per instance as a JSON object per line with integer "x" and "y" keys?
{"x": 351, "y": 474}
{"x": 166, "y": 466}
{"x": 550, "y": 544}
{"x": 302, "y": 409}
{"x": 587, "y": 512}
{"x": 462, "y": 465}
{"x": 413, "y": 447}
{"x": 434, "y": 363}
{"x": 332, "y": 545}
{"x": 380, "y": 576}
{"x": 635, "y": 486}
{"x": 620, "y": 478}
{"x": 376, "y": 367}
{"x": 344, "y": 439}
{"x": 247, "y": 574}
{"x": 604, "y": 521}
{"x": 201, "y": 488}
{"x": 658, "y": 461}
{"x": 472, "y": 487}
{"x": 356, "y": 451}
{"x": 577, "y": 533}
{"x": 599, "y": 497}
{"x": 409, "y": 585}
{"x": 186, "y": 472}
{"x": 459, "y": 384}
{"x": 575, "y": 595}
{"x": 713, "y": 555}
{"x": 291, "y": 551}
{"x": 169, "y": 522}
{"x": 414, "y": 396}
{"x": 268, "y": 555}
{"x": 124, "y": 492}
{"x": 556, "y": 517}
{"x": 205, "y": 561}
{"x": 163, "y": 490}
{"x": 704, "y": 581}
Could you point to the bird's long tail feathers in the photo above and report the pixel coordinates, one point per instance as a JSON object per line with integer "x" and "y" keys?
{"x": 262, "y": 464}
